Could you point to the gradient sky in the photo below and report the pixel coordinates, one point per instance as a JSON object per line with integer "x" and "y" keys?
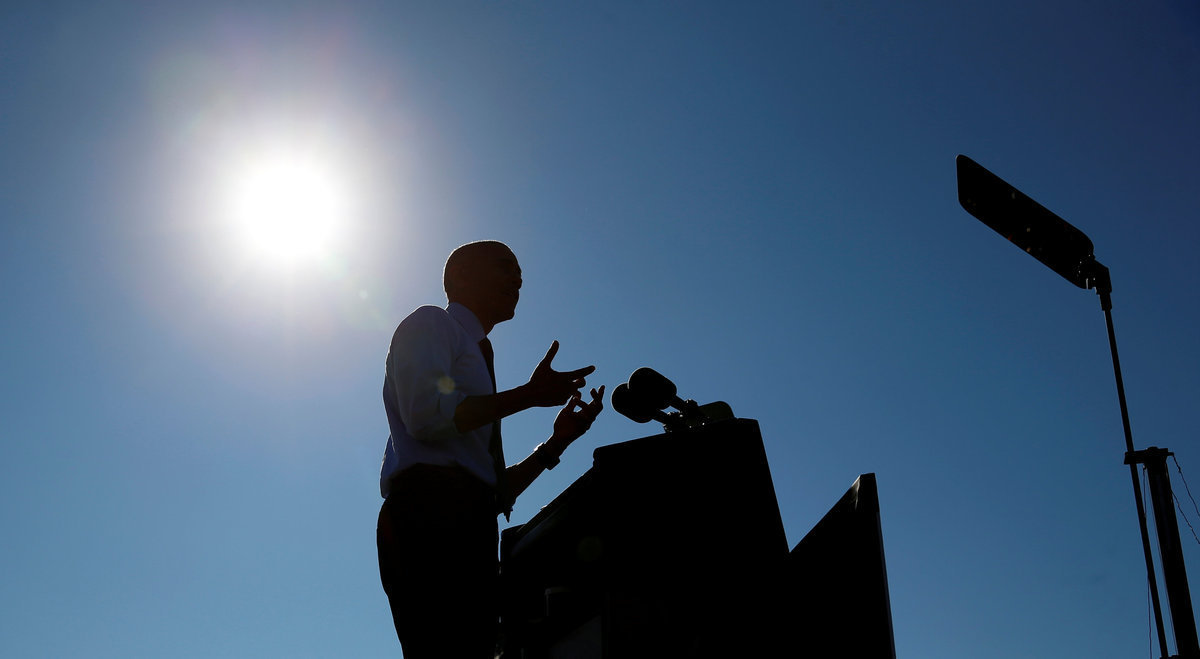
{"x": 758, "y": 200}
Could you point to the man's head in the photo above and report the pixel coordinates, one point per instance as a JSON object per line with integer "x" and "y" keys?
{"x": 485, "y": 277}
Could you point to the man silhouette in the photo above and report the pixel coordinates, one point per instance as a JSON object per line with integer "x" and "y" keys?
{"x": 444, "y": 479}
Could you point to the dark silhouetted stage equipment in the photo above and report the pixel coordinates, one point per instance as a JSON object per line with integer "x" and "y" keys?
{"x": 648, "y": 393}
{"x": 840, "y": 565}
{"x": 673, "y": 546}
{"x": 1067, "y": 251}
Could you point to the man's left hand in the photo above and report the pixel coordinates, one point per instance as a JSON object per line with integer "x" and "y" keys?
{"x": 575, "y": 418}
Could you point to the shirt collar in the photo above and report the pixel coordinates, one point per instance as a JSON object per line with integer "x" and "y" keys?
{"x": 467, "y": 319}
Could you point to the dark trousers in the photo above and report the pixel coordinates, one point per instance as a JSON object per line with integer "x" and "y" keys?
{"x": 437, "y": 536}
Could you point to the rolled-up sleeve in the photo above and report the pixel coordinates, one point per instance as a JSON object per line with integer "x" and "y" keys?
{"x": 421, "y": 371}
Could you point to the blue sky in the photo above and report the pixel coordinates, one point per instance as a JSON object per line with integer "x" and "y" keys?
{"x": 759, "y": 201}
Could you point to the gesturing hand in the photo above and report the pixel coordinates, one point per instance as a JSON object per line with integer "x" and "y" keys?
{"x": 575, "y": 418}
{"x": 548, "y": 387}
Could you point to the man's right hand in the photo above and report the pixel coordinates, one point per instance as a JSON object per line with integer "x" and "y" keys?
{"x": 549, "y": 388}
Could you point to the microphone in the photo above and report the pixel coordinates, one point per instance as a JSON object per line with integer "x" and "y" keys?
{"x": 638, "y": 409}
{"x": 648, "y": 392}
{"x": 655, "y": 389}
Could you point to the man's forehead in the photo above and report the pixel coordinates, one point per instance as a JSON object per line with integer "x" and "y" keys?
{"x": 482, "y": 254}
{"x": 499, "y": 254}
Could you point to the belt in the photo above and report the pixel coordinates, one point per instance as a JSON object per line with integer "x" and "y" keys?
{"x": 425, "y": 477}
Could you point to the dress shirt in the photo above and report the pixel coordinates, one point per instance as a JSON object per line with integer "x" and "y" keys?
{"x": 433, "y": 364}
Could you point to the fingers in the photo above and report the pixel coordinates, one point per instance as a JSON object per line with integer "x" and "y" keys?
{"x": 550, "y": 354}
{"x": 577, "y": 374}
{"x": 597, "y": 403}
{"x": 556, "y": 387}
{"x": 576, "y": 416}
{"x": 575, "y": 411}
{"x": 578, "y": 377}
{"x": 580, "y": 373}
{"x": 591, "y": 409}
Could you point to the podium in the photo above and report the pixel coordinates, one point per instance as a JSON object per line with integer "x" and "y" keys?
{"x": 673, "y": 546}
{"x": 669, "y": 546}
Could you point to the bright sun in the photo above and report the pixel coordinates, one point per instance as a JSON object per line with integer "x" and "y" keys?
{"x": 287, "y": 207}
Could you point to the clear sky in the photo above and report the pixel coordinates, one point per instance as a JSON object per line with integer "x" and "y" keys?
{"x": 756, "y": 199}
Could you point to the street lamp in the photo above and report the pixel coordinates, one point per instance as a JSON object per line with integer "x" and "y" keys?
{"x": 1067, "y": 251}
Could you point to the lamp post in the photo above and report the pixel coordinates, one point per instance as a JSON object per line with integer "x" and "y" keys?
{"x": 1069, "y": 252}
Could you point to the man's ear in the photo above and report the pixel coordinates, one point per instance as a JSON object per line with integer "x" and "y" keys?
{"x": 453, "y": 280}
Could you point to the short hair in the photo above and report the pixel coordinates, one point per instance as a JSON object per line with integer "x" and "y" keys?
{"x": 462, "y": 257}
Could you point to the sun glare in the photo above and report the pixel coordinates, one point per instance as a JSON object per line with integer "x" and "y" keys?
{"x": 287, "y": 207}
